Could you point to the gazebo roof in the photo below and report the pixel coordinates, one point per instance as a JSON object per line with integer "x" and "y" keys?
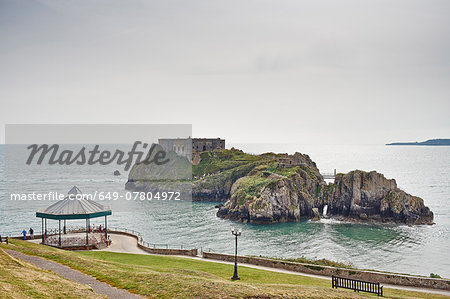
{"x": 71, "y": 208}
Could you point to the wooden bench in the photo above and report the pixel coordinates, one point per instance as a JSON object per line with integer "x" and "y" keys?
{"x": 3, "y": 239}
{"x": 357, "y": 285}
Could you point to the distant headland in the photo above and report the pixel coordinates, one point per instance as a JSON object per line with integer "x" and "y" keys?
{"x": 430, "y": 142}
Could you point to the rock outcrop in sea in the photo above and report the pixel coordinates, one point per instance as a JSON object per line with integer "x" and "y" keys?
{"x": 271, "y": 188}
{"x": 370, "y": 196}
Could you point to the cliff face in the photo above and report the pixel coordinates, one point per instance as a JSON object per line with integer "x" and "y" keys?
{"x": 369, "y": 195}
{"x": 275, "y": 193}
{"x": 359, "y": 192}
{"x": 356, "y": 196}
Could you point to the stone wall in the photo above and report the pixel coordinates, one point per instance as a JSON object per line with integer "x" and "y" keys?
{"x": 191, "y": 147}
{"x": 207, "y": 144}
{"x": 188, "y": 252}
{"x": 372, "y": 276}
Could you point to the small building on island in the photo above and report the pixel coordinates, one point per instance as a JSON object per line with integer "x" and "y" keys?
{"x": 75, "y": 206}
{"x": 191, "y": 147}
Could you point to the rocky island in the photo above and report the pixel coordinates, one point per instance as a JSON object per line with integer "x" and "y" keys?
{"x": 271, "y": 188}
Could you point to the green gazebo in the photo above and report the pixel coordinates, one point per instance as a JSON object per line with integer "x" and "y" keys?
{"x": 74, "y": 206}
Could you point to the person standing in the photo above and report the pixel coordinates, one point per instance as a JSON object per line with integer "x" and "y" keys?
{"x": 31, "y": 233}
{"x": 24, "y": 233}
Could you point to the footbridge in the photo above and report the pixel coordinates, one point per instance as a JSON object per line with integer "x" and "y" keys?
{"x": 329, "y": 175}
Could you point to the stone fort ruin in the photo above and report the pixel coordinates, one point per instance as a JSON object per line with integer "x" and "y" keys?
{"x": 191, "y": 147}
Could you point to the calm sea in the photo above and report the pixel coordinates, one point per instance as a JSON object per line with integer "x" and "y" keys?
{"x": 421, "y": 171}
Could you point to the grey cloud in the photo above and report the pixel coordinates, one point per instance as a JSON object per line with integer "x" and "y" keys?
{"x": 231, "y": 67}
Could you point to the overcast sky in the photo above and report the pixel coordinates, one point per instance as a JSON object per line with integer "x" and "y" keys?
{"x": 311, "y": 72}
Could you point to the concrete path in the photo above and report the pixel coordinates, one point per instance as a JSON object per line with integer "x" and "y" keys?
{"x": 128, "y": 244}
{"x": 73, "y": 275}
{"x": 123, "y": 244}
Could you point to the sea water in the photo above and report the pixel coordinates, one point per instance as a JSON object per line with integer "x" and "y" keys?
{"x": 420, "y": 171}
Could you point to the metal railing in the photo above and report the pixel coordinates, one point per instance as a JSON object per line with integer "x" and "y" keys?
{"x": 144, "y": 243}
{"x": 206, "y": 249}
{"x": 328, "y": 175}
{"x": 97, "y": 240}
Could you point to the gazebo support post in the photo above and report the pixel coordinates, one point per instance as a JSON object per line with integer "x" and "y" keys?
{"x": 65, "y": 227}
{"x": 87, "y": 232}
{"x": 59, "y": 231}
{"x": 45, "y": 231}
{"x": 42, "y": 230}
{"x": 106, "y": 229}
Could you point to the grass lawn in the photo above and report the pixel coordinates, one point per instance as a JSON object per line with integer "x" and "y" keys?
{"x": 169, "y": 277}
{"x": 19, "y": 279}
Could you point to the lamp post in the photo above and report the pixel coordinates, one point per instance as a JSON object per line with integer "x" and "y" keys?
{"x": 236, "y": 234}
